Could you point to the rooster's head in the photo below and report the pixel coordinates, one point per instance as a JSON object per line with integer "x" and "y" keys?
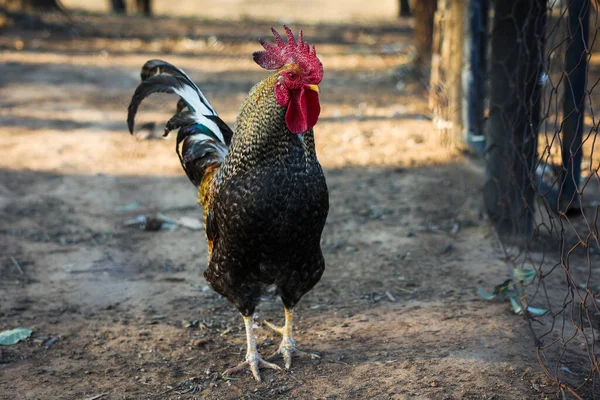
{"x": 299, "y": 73}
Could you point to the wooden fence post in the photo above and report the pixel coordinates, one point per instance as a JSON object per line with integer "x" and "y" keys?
{"x": 446, "y": 91}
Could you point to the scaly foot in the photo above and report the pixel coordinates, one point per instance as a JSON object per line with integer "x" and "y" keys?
{"x": 287, "y": 348}
{"x": 253, "y": 359}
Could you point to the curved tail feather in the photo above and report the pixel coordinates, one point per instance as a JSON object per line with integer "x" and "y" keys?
{"x": 203, "y": 138}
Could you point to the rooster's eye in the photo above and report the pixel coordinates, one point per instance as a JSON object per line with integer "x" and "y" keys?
{"x": 292, "y": 75}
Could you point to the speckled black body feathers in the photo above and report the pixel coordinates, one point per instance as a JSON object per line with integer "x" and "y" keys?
{"x": 265, "y": 206}
{"x": 268, "y": 223}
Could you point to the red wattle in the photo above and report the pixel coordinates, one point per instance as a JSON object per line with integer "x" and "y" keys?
{"x": 314, "y": 107}
{"x": 303, "y": 110}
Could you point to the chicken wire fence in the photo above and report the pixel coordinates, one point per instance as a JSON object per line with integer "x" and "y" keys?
{"x": 537, "y": 75}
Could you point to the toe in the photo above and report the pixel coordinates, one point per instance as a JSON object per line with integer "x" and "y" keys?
{"x": 238, "y": 368}
{"x": 313, "y": 356}
{"x": 266, "y": 364}
{"x": 255, "y": 365}
{"x": 255, "y": 371}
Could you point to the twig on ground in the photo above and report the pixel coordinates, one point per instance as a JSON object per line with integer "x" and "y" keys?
{"x": 16, "y": 263}
{"x": 390, "y": 296}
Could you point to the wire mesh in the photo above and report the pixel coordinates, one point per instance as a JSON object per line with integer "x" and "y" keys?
{"x": 542, "y": 185}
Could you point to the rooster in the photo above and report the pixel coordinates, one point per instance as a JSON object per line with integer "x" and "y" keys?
{"x": 261, "y": 186}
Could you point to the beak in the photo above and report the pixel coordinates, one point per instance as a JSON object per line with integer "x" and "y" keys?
{"x": 313, "y": 87}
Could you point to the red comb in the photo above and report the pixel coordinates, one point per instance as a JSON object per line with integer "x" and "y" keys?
{"x": 276, "y": 55}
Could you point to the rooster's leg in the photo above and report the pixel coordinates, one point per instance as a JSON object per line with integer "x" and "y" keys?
{"x": 253, "y": 359}
{"x": 287, "y": 348}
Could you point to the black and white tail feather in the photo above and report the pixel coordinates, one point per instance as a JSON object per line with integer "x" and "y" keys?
{"x": 202, "y": 138}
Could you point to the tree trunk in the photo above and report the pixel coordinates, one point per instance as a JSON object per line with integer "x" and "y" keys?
{"x": 517, "y": 62}
{"x": 423, "y": 11}
{"x": 456, "y": 29}
{"x": 404, "y": 8}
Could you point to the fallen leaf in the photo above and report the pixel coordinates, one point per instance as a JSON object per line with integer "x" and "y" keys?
{"x": 14, "y": 336}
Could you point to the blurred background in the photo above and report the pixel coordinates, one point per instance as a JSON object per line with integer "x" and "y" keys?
{"x": 282, "y": 11}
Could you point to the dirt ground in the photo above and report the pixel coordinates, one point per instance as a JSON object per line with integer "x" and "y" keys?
{"x": 396, "y": 315}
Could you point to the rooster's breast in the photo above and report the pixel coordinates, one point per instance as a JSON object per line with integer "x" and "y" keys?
{"x": 273, "y": 211}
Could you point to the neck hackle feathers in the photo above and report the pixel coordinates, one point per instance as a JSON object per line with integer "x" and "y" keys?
{"x": 275, "y": 56}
